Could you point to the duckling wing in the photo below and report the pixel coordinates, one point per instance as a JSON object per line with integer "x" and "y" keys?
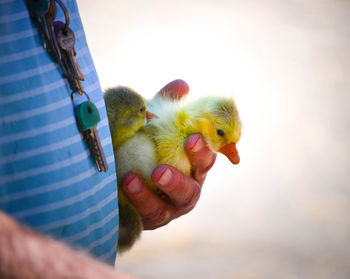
{"x": 169, "y": 136}
{"x": 136, "y": 155}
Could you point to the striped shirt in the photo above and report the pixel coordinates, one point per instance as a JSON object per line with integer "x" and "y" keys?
{"x": 47, "y": 177}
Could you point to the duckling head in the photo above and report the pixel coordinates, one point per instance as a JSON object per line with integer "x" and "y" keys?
{"x": 218, "y": 121}
{"x": 126, "y": 111}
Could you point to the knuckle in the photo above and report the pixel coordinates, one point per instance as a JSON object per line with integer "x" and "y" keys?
{"x": 177, "y": 188}
{"x": 157, "y": 217}
{"x": 176, "y": 185}
{"x": 192, "y": 199}
{"x": 209, "y": 164}
{"x": 205, "y": 165}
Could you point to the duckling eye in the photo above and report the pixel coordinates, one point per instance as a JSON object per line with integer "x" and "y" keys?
{"x": 142, "y": 109}
{"x": 220, "y": 132}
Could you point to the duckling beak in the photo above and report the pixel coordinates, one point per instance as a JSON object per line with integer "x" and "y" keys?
{"x": 230, "y": 151}
{"x": 150, "y": 116}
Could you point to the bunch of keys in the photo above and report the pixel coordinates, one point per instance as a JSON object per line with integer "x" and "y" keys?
{"x": 59, "y": 40}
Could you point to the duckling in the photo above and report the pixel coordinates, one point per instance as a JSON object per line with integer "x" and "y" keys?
{"x": 126, "y": 111}
{"x": 162, "y": 140}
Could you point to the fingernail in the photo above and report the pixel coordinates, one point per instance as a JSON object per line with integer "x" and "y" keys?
{"x": 132, "y": 184}
{"x": 165, "y": 176}
{"x": 194, "y": 143}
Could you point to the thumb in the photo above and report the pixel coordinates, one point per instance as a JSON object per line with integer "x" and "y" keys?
{"x": 175, "y": 90}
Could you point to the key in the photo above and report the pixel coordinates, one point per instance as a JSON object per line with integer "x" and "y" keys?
{"x": 64, "y": 63}
{"x": 88, "y": 117}
{"x": 66, "y": 41}
{"x": 49, "y": 20}
{"x": 38, "y": 9}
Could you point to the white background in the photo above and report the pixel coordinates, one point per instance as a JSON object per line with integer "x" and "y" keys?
{"x": 283, "y": 212}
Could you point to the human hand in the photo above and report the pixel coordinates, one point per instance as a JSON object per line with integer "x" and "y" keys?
{"x": 183, "y": 191}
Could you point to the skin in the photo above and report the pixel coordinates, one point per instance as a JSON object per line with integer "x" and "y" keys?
{"x": 183, "y": 191}
{"x": 25, "y": 254}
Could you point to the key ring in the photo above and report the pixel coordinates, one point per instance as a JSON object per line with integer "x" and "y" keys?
{"x": 66, "y": 15}
{"x": 81, "y": 92}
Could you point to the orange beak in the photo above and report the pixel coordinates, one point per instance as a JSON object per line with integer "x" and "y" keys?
{"x": 230, "y": 151}
{"x": 150, "y": 116}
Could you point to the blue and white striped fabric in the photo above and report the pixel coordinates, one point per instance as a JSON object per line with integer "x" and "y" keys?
{"x": 47, "y": 178}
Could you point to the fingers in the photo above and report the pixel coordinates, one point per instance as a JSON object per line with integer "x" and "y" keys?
{"x": 175, "y": 89}
{"x": 183, "y": 190}
{"x": 201, "y": 157}
{"x": 153, "y": 210}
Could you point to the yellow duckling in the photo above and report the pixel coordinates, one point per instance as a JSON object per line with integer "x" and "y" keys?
{"x": 162, "y": 141}
{"x": 126, "y": 110}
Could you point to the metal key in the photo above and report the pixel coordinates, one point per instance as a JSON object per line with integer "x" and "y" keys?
{"x": 66, "y": 41}
{"x": 49, "y": 21}
{"x": 74, "y": 83}
{"x": 38, "y": 9}
{"x": 88, "y": 117}
{"x": 63, "y": 62}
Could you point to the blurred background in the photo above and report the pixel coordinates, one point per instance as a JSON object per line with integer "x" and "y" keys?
{"x": 283, "y": 212}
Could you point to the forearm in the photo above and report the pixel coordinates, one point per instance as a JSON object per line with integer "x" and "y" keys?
{"x": 24, "y": 254}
